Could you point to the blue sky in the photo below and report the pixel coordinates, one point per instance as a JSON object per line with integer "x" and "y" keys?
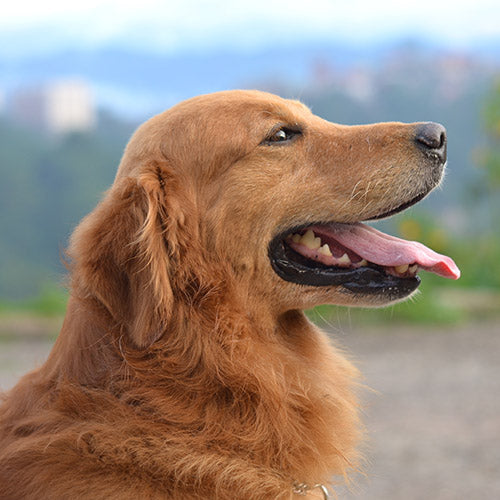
{"x": 174, "y": 25}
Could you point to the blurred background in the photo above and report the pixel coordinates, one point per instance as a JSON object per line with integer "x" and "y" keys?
{"x": 76, "y": 78}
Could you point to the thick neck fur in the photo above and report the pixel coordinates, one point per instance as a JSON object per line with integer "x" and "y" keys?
{"x": 258, "y": 401}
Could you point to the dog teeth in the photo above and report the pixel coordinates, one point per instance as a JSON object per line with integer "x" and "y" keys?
{"x": 344, "y": 260}
{"x": 313, "y": 242}
{"x": 325, "y": 250}
{"x": 310, "y": 241}
{"x": 401, "y": 269}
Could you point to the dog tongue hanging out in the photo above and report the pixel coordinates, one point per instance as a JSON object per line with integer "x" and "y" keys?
{"x": 185, "y": 367}
{"x": 358, "y": 245}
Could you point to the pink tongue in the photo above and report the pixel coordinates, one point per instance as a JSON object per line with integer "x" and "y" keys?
{"x": 386, "y": 250}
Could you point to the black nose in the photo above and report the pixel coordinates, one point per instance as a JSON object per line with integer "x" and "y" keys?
{"x": 431, "y": 137}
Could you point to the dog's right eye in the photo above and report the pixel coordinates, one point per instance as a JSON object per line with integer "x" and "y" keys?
{"x": 283, "y": 134}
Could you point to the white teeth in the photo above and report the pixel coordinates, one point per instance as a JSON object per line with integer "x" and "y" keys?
{"x": 344, "y": 260}
{"x": 310, "y": 241}
{"x": 325, "y": 250}
{"x": 413, "y": 269}
{"x": 401, "y": 269}
{"x": 296, "y": 238}
{"x": 362, "y": 263}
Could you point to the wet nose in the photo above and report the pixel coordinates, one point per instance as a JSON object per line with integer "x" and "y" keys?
{"x": 431, "y": 137}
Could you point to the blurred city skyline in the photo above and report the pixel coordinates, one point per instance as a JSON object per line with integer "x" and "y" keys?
{"x": 138, "y": 58}
{"x": 134, "y": 86}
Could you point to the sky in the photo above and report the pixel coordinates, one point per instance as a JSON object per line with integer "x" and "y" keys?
{"x": 173, "y": 25}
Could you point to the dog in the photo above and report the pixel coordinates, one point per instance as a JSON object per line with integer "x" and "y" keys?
{"x": 185, "y": 367}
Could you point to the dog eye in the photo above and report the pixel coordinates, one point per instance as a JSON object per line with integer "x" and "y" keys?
{"x": 282, "y": 135}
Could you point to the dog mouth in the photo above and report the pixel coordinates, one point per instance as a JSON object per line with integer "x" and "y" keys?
{"x": 356, "y": 256}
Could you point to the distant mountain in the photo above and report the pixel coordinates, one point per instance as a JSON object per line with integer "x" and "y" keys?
{"x": 140, "y": 83}
{"x": 136, "y": 81}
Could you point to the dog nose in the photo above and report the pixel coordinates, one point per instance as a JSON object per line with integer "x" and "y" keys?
{"x": 432, "y": 138}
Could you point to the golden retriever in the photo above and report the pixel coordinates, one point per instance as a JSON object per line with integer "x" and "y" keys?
{"x": 185, "y": 367}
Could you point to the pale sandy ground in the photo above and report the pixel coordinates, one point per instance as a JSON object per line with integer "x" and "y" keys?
{"x": 433, "y": 424}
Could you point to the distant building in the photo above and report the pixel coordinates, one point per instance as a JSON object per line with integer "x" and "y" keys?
{"x": 58, "y": 107}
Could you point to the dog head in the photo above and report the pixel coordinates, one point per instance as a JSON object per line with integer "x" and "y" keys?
{"x": 247, "y": 187}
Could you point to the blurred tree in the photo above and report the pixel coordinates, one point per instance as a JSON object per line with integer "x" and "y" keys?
{"x": 484, "y": 268}
{"x": 490, "y": 157}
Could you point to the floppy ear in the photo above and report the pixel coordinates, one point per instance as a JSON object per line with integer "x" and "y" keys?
{"x": 122, "y": 255}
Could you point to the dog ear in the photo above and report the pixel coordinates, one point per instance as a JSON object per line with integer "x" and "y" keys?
{"x": 155, "y": 250}
{"x": 122, "y": 255}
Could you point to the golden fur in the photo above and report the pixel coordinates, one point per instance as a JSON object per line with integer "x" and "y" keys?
{"x": 185, "y": 368}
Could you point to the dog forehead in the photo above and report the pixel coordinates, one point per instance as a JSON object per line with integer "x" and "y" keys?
{"x": 237, "y": 106}
{"x": 226, "y": 116}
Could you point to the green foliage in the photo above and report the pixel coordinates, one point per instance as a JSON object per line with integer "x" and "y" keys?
{"x": 50, "y": 302}
{"x": 491, "y": 111}
{"x": 48, "y": 185}
{"x": 489, "y": 155}
{"x": 425, "y": 307}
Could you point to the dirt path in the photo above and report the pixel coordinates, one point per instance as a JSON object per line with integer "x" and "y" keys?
{"x": 433, "y": 424}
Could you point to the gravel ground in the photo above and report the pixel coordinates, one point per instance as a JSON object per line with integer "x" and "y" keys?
{"x": 432, "y": 418}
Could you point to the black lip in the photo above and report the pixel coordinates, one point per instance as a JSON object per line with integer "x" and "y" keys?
{"x": 401, "y": 207}
{"x": 368, "y": 280}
